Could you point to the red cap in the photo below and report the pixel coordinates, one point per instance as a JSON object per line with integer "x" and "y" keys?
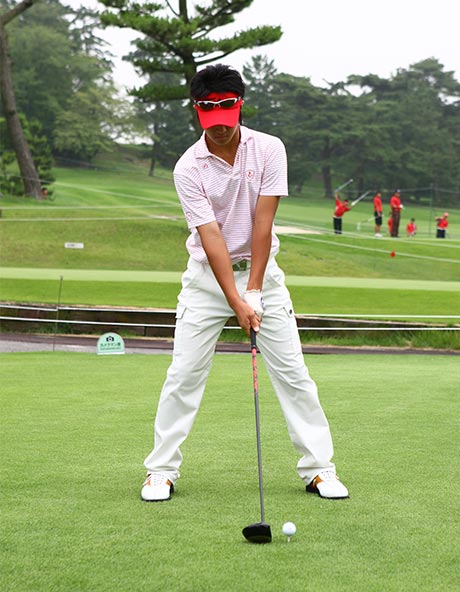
{"x": 217, "y": 115}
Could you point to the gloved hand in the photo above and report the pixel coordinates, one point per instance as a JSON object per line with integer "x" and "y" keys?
{"x": 255, "y": 301}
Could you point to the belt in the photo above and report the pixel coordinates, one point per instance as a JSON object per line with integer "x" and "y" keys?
{"x": 241, "y": 265}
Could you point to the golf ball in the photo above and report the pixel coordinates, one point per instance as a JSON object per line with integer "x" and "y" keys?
{"x": 289, "y": 528}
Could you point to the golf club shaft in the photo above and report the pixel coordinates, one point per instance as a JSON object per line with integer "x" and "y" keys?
{"x": 344, "y": 185}
{"x": 357, "y": 200}
{"x": 256, "y": 407}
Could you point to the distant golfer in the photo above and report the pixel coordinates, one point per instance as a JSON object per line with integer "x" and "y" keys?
{"x": 340, "y": 208}
{"x": 441, "y": 225}
{"x": 378, "y": 214}
{"x": 396, "y": 207}
{"x": 411, "y": 228}
{"x": 229, "y": 184}
{"x": 390, "y": 224}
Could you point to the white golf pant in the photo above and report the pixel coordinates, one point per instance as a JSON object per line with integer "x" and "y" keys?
{"x": 202, "y": 312}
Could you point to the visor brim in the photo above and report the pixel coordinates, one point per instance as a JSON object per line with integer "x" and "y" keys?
{"x": 219, "y": 116}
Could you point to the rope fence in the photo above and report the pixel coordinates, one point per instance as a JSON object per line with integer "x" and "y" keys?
{"x": 158, "y": 325}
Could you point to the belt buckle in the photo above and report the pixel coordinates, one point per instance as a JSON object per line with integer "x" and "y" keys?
{"x": 240, "y": 265}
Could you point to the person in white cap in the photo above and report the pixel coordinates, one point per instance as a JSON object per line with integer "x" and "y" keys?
{"x": 229, "y": 184}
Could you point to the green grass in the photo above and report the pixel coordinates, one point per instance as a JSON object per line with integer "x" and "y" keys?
{"x": 393, "y": 299}
{"x": 307, "y": 299}
{"x": 76, "y": 428}
{"x": 131, "y": 222}
{"x": 364, "y": 257}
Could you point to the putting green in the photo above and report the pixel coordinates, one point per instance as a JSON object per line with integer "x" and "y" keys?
{"x": 99, "y": 275}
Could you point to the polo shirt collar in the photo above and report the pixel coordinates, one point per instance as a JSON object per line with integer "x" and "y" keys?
{"x": 202, "y": 150}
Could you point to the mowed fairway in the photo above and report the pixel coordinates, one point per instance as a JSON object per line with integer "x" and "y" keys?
{"x": 321, "y": 295}
{"x": 76, "y": 428}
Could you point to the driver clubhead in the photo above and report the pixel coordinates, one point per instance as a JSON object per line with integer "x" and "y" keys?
{"x": 259, "y": 533}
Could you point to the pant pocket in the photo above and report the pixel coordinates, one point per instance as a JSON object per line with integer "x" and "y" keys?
{"x": 193, "y": 274}
{"x": 274, "y": 275}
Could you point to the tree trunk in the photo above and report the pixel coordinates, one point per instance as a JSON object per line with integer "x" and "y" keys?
{"x": 153, "y": 159}
{"x": 190, "y": 73}
{"x": 327, "y": 181}
{"x": 29, "y": 174}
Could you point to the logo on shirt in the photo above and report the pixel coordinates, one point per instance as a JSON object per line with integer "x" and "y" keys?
{"x": 250, "y": 174}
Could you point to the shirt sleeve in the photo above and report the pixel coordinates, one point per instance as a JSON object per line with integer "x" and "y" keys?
{"x": 274, "y": 178}
{"x": 196, "y": 206}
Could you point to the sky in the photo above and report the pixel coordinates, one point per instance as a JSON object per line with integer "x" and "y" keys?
{"x": 329, "y": 40}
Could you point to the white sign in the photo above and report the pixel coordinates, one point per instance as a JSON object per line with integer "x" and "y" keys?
{"x": 74, "y": 245}
{"x": 110, "y": 343}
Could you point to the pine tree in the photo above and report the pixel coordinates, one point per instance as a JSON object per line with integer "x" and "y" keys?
{"x": 177, "y": 41}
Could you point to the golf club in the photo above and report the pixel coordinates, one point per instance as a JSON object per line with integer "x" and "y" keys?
{"x": 259, "y": 532}
{"x": 344, "y": 185}
{"x": 358, "y": 199}
{"x": 358, "y": 225}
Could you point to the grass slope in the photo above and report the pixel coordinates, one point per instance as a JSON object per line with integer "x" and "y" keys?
{"x": 76, "y": 428}
{"x": 129, "y": 221}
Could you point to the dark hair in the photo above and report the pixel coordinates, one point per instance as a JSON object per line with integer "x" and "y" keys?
{"x": 218, "y": 78}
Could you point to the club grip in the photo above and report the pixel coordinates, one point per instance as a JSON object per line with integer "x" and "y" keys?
{"x": 253, "y": 339}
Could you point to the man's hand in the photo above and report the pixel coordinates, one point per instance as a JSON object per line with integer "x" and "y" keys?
{"x": 255, "y": 301}
{"x": 247, "y": 318}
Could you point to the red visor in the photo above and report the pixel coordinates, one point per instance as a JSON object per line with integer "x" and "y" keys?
{"x": 218, "y": 114}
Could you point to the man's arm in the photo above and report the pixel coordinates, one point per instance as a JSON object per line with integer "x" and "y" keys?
{"x": 219, "y": 259}
{"x": 261, "y": 240}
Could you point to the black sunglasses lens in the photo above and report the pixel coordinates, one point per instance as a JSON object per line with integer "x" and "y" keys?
{"x": 205, "y": 105}
{"x": 228, "y": 103}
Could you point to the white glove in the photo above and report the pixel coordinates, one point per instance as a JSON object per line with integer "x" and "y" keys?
{"x": 255, "y": 301}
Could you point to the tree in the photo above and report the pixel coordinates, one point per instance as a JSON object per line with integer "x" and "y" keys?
{"x": 398, "y": 132}
{"x": 259, "y": 76}
{"x": 413, "y": 122}
{"x": 63, "y": 79}
{"x": 83, "y": 128}
{"x": 167, "y": 124}
{"x": 176, "y": 41}
{"x": 30, "y": 177}
{"x": 297, "y": 102}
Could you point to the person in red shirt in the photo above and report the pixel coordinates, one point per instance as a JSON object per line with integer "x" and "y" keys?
{"x": 411, "y": 228}
{"x": 442, "y": 224}
{"x": 396, "y": 207}
{"x": 378, "y": 213}
{"x": 340, "y": 208}
{"x": 390, "y": 224}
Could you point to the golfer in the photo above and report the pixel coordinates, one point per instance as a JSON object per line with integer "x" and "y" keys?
{"x": 229, "y": 183}
{"x": 442, "y": 223}
{"x": 378, "y": 214}
{"x": 341, "y": 207}
{"x": 396, "y": 207}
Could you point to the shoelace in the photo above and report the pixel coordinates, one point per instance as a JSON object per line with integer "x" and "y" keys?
{"x": 327, "y": 475}
{"x": 156, "y": 479}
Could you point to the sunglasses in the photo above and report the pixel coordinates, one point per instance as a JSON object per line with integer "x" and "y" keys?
{"x": 223, "y": 104}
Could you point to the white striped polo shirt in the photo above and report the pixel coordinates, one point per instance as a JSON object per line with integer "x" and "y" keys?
{"x": 210, "y": 189}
